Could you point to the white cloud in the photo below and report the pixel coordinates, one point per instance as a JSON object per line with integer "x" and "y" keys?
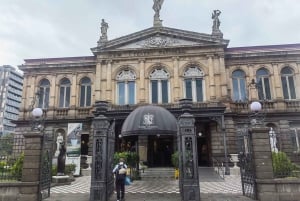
{"x": 61, "y": 28}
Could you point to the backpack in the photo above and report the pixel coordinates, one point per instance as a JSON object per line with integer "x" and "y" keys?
{"x": 121, "y": 172}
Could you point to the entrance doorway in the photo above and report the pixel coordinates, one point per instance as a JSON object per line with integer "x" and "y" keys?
{"x": 160, "y": 150}
{"x": 203, "y": 155}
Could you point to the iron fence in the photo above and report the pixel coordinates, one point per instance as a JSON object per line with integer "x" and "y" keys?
{"x": 285, "y": 149}
{"x": 11, "y": 157}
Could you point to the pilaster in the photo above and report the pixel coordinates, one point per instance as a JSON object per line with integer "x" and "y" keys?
{"x": 277, "y": 82}
{"x": 97, "y": 82}
{"x": 212, "y": 87}
{"x": 176, "y": 79}
{"x": 142, "y": 91}
{"x": 109, "y": 81}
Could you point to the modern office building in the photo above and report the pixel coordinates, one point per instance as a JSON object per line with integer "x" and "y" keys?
{"x": 160, "y": 66}
{"x": 11, "y": 86}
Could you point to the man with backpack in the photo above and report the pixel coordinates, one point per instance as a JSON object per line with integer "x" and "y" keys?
{"x": 120, "y": 175}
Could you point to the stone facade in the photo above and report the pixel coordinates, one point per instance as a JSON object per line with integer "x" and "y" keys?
{"x": 174, "y": 52}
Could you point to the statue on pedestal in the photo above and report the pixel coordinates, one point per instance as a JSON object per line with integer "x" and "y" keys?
{"x": 215, "y": 17}
{"x": 156, "y": 7}
{"x": 59, "y": 140}
{"x": 61, "y": 160}
{"x": 104, "y": 27}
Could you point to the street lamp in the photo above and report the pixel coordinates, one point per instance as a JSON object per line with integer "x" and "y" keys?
{"x": 37, "y": 114}
{"x": 256, "y": 116}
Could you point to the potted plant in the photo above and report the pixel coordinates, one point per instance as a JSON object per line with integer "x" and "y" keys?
{"x": 175, "y": 163}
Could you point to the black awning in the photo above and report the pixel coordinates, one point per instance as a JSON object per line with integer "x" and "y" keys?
{"x": 149, "y": 120}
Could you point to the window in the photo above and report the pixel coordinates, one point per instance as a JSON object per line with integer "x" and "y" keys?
{"x": 239, "y": 85}
{"x": 287, "y": 81}
{"x": 193, "y": 84}
{"x": 64, "y": 93}
{"x": 159, "y": 86}
{"x": 126, "y": 87}
{"x": 44, "y": 93}
{"x": 263, "y": 84}
{"x": 85, "y": 92}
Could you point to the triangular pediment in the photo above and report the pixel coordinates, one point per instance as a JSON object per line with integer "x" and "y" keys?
{"x": 162, "y": 37}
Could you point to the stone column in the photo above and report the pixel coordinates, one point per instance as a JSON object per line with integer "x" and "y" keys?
{"x": 212, "y": 87}
{"x": 188, "y": 157}
{"x": 74, "y": 95}
{"x": 277, "y": 82}
{"x": 31, "y": 166}
{"x": 97, "y": 81}
{"x": 141, "y": 94}
{"x": 223, "y": 75}
{"x": 52, "y": 96}
{"x": 176, "y": 79}
{"x": 262, "y": 158}
{"x": 108, "y": 81}
{"x": 142, "y": 142}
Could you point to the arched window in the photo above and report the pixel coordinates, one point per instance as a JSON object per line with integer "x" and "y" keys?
{"x": 194, "y": 84}
{"x": 126, "y": 87}
{"x": 85, "y": 92}
{"x": 263, "y": 84}
{"x": 159, "y": 86}
{"x": 44, "y": 93}
{"x": 239, "y": 85}
{"x": 64, "y": 93}
{"x": 287, "y": 81}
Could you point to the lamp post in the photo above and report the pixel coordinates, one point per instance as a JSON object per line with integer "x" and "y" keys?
{"x": 37, "y": 124}
{"x": 257, "y": 117}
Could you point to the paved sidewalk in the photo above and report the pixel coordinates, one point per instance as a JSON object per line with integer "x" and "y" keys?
{"x": 149, "y": 197}
{"x": 212, "y": 188}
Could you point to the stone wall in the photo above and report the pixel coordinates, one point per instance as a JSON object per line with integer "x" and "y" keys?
{"x": 268, "y": 188}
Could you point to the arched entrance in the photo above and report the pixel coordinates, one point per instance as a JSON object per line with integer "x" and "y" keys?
{"x": 155, "y": 131}
{"x": 145, "y": 121}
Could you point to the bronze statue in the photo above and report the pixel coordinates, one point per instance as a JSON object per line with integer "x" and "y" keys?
{"x": 61, "y": 160}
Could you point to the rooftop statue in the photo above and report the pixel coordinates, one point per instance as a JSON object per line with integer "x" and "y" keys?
{"x": 216, "y": 32}
{"x": 156, "y": 7}
{"x": 104, "y": 27}
{"x": 215, "y": 17}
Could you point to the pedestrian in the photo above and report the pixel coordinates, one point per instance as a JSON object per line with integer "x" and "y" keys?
{"x": 120, "y": 175}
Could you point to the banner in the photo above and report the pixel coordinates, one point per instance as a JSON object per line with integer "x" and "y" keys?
{"x": 73, "y": 146}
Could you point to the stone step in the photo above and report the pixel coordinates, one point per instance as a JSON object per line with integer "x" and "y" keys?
{"x": 157, "y": 173}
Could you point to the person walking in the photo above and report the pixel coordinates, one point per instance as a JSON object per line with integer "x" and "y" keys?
{"x": 120, "y": 175}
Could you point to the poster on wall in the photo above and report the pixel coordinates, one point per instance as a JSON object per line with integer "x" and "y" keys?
{"x": 73, "y": 146}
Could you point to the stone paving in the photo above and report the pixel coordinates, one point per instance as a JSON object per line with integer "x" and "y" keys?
{"x": 212, "y": 188}
{"x": 162, "y": 190}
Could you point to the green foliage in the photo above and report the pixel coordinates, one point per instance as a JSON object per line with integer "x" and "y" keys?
{"x": 175, "y": 159}
{"x": 69, "y": 169}
{"x": 3, "y": 166}
{"x": 131, "y": 158}
{"x": 282, "y": 165}
{"x": 6, "y": 145}
{"x": 17, "y": 167}
{"x": 54, "y": 170}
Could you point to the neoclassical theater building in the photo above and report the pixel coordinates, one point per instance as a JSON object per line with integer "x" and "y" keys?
{"x": 160, "y": 66}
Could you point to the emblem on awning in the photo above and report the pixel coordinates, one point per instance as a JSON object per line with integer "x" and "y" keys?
{"x": 148, "y": 119}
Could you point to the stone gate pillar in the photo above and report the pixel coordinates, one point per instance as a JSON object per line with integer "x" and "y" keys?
{"x": 100, "y": 175}
{"x": 188, "y": 157}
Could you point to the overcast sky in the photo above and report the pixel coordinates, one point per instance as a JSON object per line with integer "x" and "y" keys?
{"x": 62, "y": 28}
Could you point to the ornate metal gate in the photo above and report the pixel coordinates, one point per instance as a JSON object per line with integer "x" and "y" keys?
{"x": 46, "y": 166}
{"x": 244, "y": 143}
{"x": 110, "y": 158}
